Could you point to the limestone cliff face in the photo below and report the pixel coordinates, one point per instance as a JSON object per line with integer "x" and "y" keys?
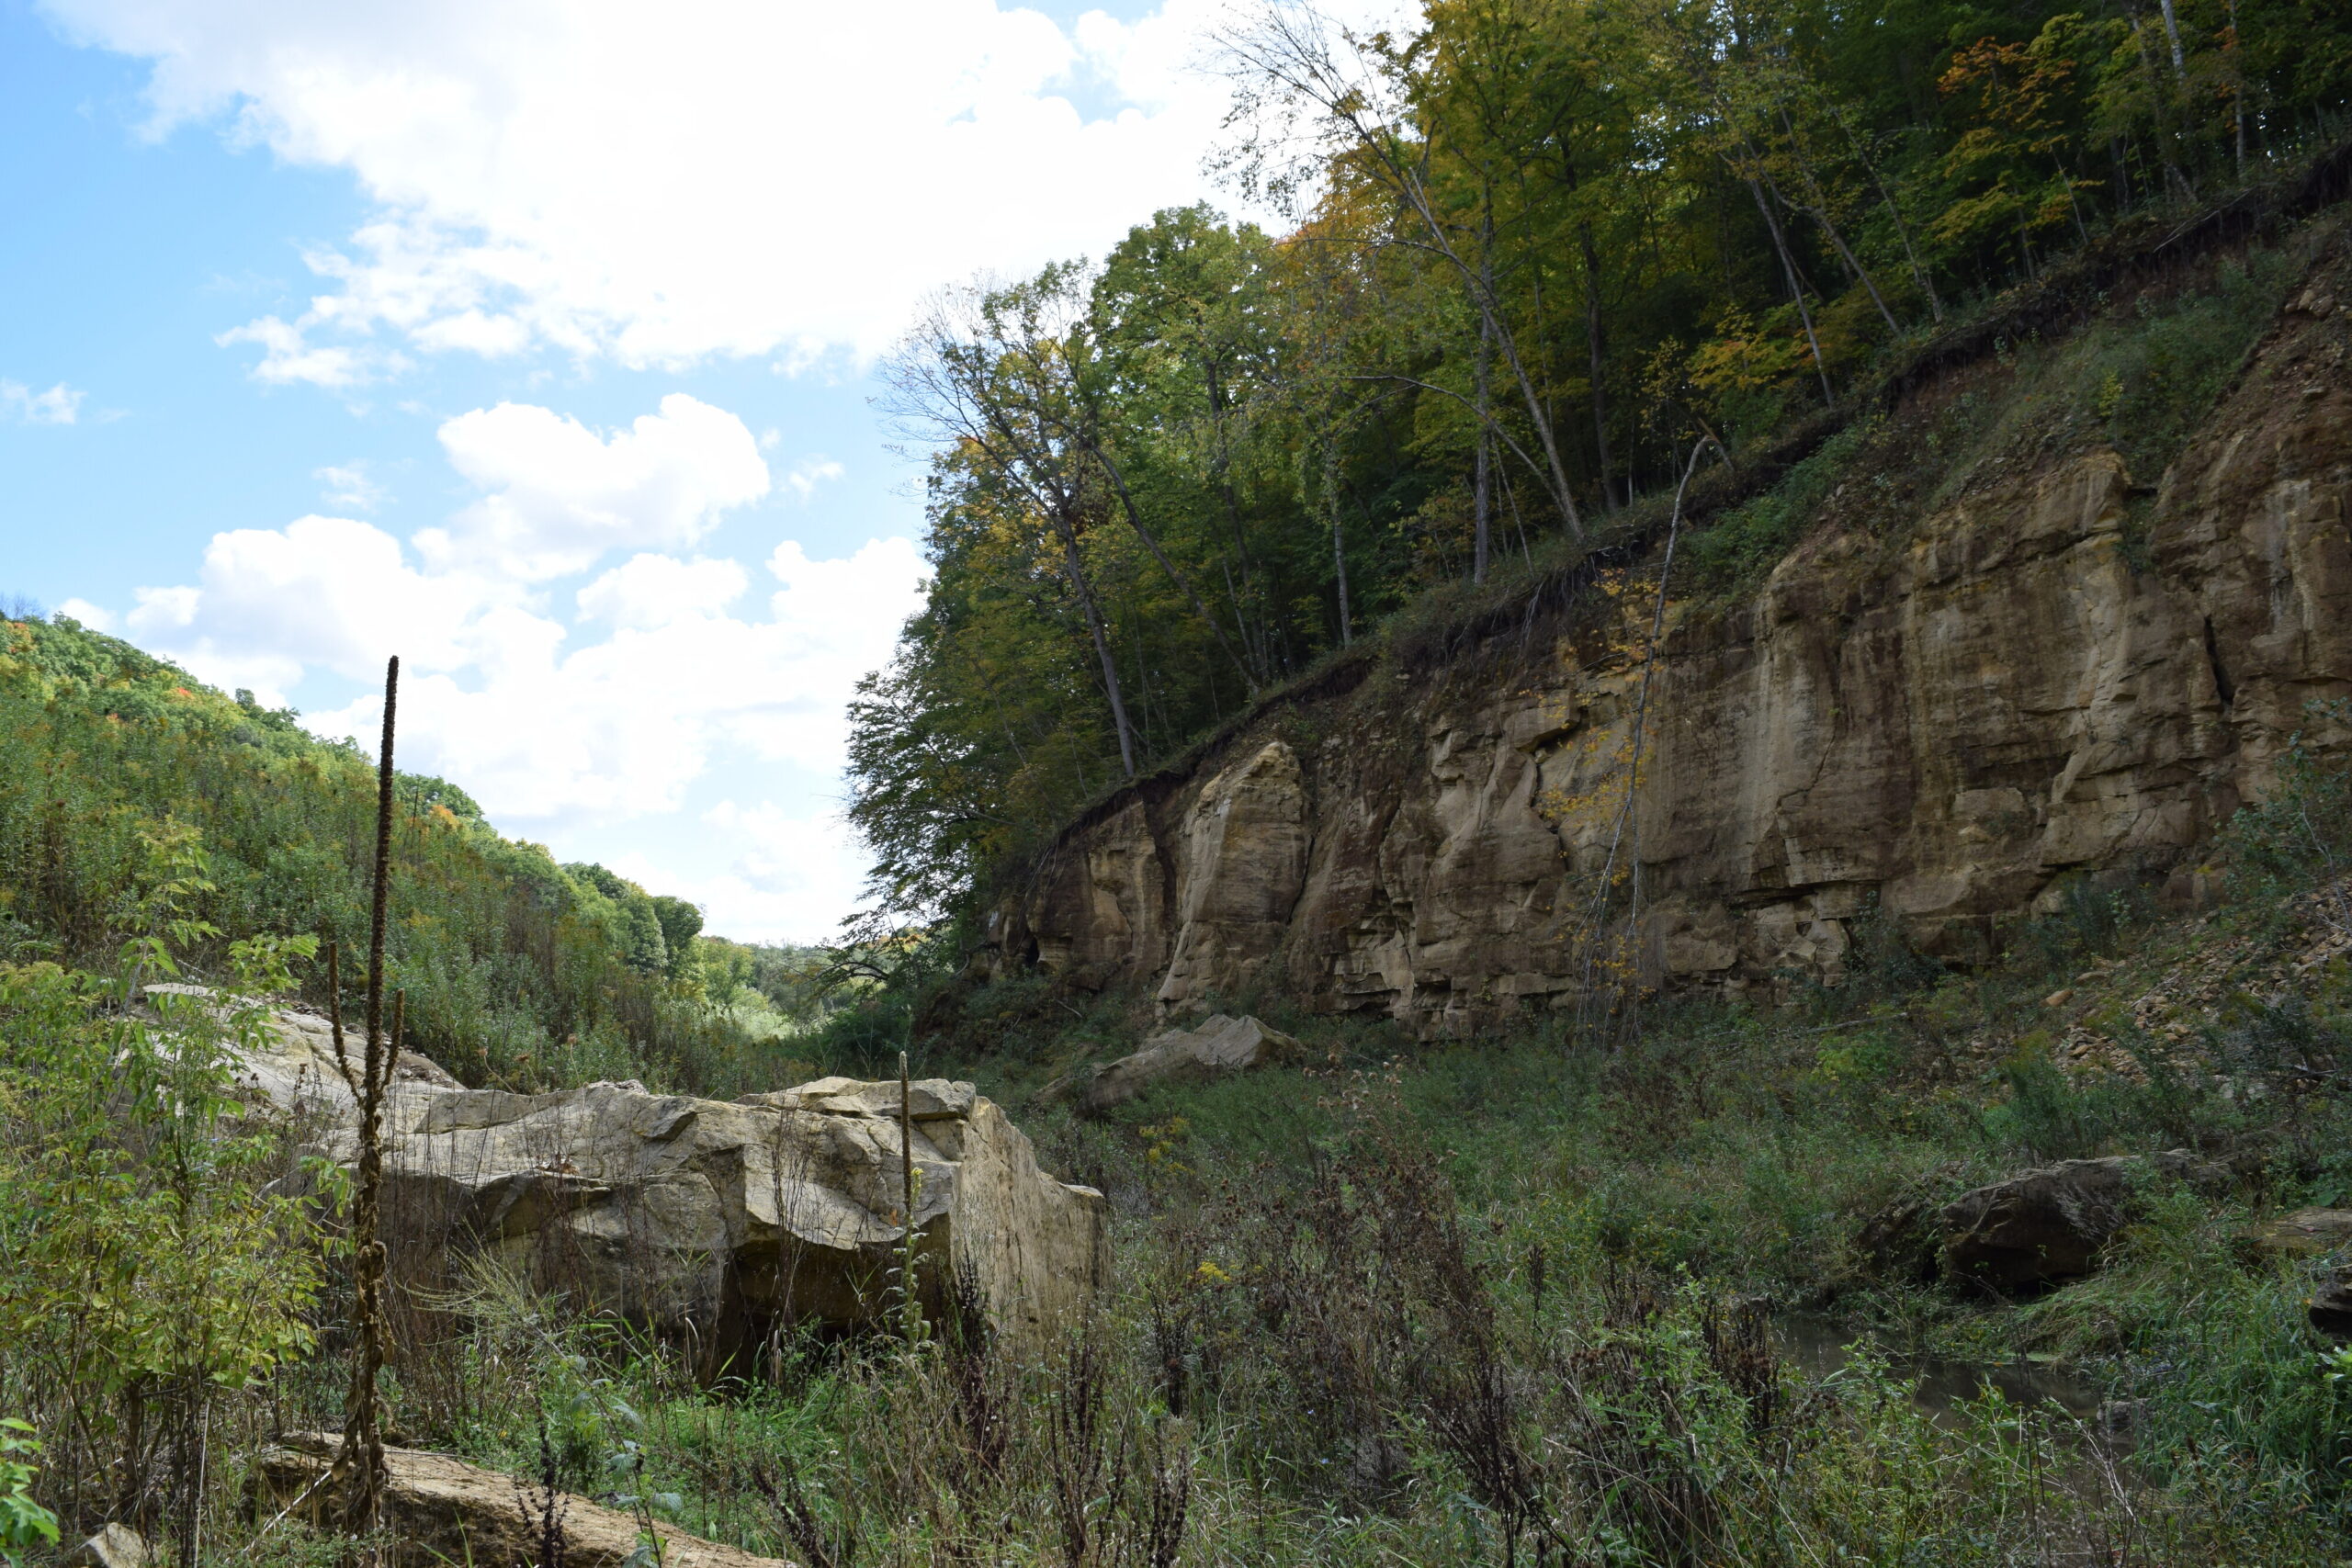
{"x": 2055, "y": 673}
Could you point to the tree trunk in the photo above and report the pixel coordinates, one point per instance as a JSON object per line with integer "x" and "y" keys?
{"x": 1595, "y": 354}
{"x": 1796, "y": 287}
{"x": 1480, "y": 496}
{"x": 1819, "y": 212}
{"x": 1223, "y": 467}
{"x": 2172, "y": 34}
{"x": 1903, "y": 230}
{"x": 1338, "y": 543}
{"x": 1135, "y": 520}
{"x": 1102, "y": 644}
{"x": 2165, "y": 135}
{"x": 2237, "y": 88}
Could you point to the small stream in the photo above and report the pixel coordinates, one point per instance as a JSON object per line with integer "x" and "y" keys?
{"x": 1818, "y": 1347}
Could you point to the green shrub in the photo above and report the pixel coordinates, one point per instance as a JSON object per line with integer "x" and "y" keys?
{"x": 1743, "y": 543}
{"x": 147, "y": 1271}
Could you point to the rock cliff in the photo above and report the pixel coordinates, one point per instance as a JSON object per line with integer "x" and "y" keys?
{"x": 2054, "y": 670}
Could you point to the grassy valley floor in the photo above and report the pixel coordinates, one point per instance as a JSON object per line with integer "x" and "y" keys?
{"x": 1526, "y": 1300}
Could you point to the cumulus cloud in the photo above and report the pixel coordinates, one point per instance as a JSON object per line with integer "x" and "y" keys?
{"x": 653, "y": 591}
{"x": 611, "y": 717}
{"x": 89, "y": 614}
{"x": 61, "y": 404}
{"x": 622, "y": 726}
{"x": 287, "y": 359}
{"x": 325, "y": 592}
{"x": 739, "y": 177}
{"x": 558, "y": 495}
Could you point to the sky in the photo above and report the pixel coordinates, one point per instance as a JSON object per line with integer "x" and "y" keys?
{"x": 535, "y": 340}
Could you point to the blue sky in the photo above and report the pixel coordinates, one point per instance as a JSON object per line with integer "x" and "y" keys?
{"x": 534, "y": 342}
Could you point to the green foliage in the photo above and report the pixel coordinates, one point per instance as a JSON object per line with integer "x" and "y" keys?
{"x": 2221, "y": 1353}
{"x": 2299, "y": 837}
{"x": 139, "y": 806}
{"x": 23, "y": 1522}
{"x": 2141, "y": 376}
{"x": 147, "y": 1271}
{"x": 1738, "y": 547}
{"x": 2048, "y": 1115}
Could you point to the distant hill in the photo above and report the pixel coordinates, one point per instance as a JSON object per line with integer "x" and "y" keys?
{"x": 120, "y": 772}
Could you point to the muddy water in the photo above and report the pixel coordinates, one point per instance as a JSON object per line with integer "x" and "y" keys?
{"x": 1818, "y": 1347}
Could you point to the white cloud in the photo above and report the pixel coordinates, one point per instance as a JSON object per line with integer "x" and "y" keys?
{"x": 623, "y": 727}
{"x": 351, "y": 485}
{"x": 729, "y": 178}
{"x": 559, "y": 495}
{"x": 60, "y": 405}
{"x": 288, "y": 358}
{"x": 324, "y": 592}
{"x": 612, "y": 719}
{"x": 89, "y": 614}
{"x": 810, "y": 472}
{"x": 790, "y": 877}
{"x": 652, "y": 590}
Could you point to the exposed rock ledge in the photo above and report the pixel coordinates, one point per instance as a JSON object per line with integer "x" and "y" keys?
{"x": 2050, "y": 679}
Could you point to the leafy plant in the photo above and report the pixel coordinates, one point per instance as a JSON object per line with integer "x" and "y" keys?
{"x": 23, "y": 1522}
{"x": 142, "y": 1274}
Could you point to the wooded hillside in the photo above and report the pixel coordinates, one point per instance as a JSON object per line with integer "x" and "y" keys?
{"x": 134, "y": 797}
{"x": 1546, "y": 254}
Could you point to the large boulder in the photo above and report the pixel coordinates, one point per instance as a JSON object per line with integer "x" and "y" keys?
{"x": 450, "y": 1511}
{"x": 293, "y": 1065}
{"x": 115, "y": 1546}
{"x": 723, "y": 1221}
{"x": 1220, "y": 1045}
{"x": 2330, "y": 1309}
{"x": 2043, "y": 1227}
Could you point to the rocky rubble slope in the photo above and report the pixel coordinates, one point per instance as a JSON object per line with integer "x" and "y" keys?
{"x": 2061, "y": 670}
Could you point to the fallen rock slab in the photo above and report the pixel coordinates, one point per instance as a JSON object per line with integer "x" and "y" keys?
{"x": 732, "y": 1220}
{"x": 293, "y": 1065}
{"x": 444, "y": 1510}
{"x": 720, "y": 1221}
{"x": 2306, "y": 1232}
{"x": 1221, "y": 1044}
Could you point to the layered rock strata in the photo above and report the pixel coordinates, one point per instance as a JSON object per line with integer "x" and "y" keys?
{"x": 2058, "y": 675}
